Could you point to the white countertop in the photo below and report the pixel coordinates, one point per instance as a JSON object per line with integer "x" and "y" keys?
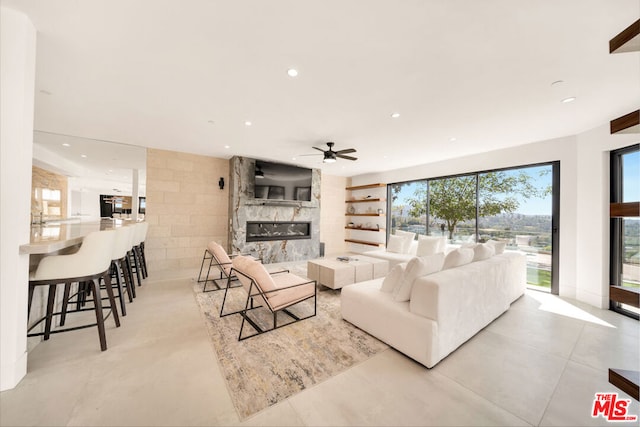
{"x": 54, "y": 236}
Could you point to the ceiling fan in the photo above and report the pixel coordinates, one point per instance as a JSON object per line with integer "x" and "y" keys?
{"x": 330, "y": 156}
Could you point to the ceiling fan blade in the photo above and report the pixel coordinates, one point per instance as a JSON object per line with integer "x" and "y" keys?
{"x": 346, "y": 150}
{"x": 310, "y": 154}
{"x": 319, "y": 149}
{"x": 346, "y": 157}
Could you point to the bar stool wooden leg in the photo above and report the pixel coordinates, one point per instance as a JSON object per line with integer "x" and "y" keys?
{"x": 125, "y": 276}
{"x": 118, "y": 273}
{"x": 112, "y": 299}
{"x": 95, "y": 285}
{"x": 65, "y": 303}
{"x": 50, "y": 304}
{"x": 130, "y": 275}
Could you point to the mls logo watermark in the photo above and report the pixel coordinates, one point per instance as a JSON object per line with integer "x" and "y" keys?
{"x": 609, "y": 407}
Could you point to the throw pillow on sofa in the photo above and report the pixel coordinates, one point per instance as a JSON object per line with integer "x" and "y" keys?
{"x": 497, "y": 245}
{"x": 458, "y": 257}
{"x": 417, "y": 267}
{"x": 393, "y": 277}
{"x": 395, "y": 244}
{"x": 409, "y": 237}
{"x": 483, "y": 251}
{"x": 429, "y": 245}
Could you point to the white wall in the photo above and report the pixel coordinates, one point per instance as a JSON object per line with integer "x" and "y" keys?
{"x": 584, "y": 192}
{"x": 17, "y": 79}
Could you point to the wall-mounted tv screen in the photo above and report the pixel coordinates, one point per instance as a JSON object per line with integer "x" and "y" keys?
{"x": 278, "y": 181}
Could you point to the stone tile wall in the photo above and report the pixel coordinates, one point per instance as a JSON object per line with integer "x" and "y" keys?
{"x": 185, "y": 207}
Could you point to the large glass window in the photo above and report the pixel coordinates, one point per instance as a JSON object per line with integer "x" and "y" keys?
{"x": 515, "y": 205}
{"x": 625, "y": 230}
{"x": 408, "y": 207}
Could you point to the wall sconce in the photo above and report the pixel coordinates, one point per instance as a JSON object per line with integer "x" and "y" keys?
{"x": 221, "y": 183}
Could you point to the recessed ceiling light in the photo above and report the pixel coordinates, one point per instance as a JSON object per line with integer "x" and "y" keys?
{"x": 557, "y": 82}
{"x": 293, "y": 158}
{"x": 211, "y": 122}
{"x": 227, "y": 146}
{"x": 569, "y": 99}
{"x": 452, "y": 139}
{"x": 395, "y": 115}
{"x": 84, "y": 156}
{"x": 247, "y": 123}
{"x": 66, "y": 144}
{"x": 292, "y": 72}
{"x": 110, "y": 170}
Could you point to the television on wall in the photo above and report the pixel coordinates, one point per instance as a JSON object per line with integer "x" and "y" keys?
{"x": 279, "y": 181}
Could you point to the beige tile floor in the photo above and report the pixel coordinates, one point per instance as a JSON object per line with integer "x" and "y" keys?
{"x": 539, "y": 364}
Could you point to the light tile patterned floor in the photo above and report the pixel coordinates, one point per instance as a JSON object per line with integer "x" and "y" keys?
{"x": 539, "y": 364}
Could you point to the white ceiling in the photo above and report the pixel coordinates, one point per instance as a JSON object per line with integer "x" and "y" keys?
{"x": 153, "y": 73}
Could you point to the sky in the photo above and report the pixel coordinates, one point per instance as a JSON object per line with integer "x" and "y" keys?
{"x": 631, "y": 177}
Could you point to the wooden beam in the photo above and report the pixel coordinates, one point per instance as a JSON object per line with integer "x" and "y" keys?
{"x": 629, "y": 123}
{"x": 621, "y": 210}
{"x": 627, "y": 41}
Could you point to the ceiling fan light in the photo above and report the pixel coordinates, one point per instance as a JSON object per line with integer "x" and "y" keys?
{"x": 329, "y": 160}
{"x": 259, "y": 174}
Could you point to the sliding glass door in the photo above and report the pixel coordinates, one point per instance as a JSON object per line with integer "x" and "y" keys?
{"x": 515, "y": 206}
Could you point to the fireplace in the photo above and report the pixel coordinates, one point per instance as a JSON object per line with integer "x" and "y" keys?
{"x": 258, "y": 231}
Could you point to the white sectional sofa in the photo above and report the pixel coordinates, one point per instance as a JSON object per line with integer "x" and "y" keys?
{"x": 444, "y": 310}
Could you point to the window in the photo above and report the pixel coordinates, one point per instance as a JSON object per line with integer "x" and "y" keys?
{"x": 517, "y": 205}
{"x": 624, "y": 265}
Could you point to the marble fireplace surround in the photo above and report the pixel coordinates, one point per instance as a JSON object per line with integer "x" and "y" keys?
{"x": 244, "y": 208}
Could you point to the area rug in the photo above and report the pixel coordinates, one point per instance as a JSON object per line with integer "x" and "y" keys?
{"x": 266, "y": 369}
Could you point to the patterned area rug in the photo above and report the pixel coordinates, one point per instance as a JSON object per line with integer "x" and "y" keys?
{"x": 271, "y": 367}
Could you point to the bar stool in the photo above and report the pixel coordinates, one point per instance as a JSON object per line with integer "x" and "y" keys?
{"x": 137, "y": 251}
{"x": 90, "y": 264}
{"x": 119, "y": 266}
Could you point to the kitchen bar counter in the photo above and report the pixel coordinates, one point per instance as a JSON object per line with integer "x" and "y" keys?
{"x": 54, "y": 236}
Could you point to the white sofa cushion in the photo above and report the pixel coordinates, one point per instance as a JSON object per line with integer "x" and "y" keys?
{"x": 458, "y": 257}
{"x": 409, "y": 238}
{"x": 396, "y": 244}
{"x": 429, "y": 245}
{"x": 498, "y": 246}
{"x": 417, "y": 267}
{"x": 483, "y": 251}
{"x": 393, "y": 277}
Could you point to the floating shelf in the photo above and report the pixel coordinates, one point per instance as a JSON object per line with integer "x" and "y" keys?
{"x": 365, "y": 187}
{"x": 621, "y": 210}
{"x": 365, "y": 200}
{"x": 363, "y": 214}
{"x": 629, "y": 123}
{"x": 627, "y": 41}
{"x": 365, "y": 229}
{"x": 363, "y": 242}
{"x": 626, "y": 381}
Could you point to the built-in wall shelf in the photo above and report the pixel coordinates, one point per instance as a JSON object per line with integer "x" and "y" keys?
{"x": 363, "y": 242}
{"x": 622, "y": 210}
{"x": 364, "y": 214}
{"x": 377, "y": 195}
{"x": 365, "y": 187}
{"x": 629, "y": 123}
{"x": 365, "y": 200}
{"x": 627, "y": 41}
{"x": 364, "y": 228}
